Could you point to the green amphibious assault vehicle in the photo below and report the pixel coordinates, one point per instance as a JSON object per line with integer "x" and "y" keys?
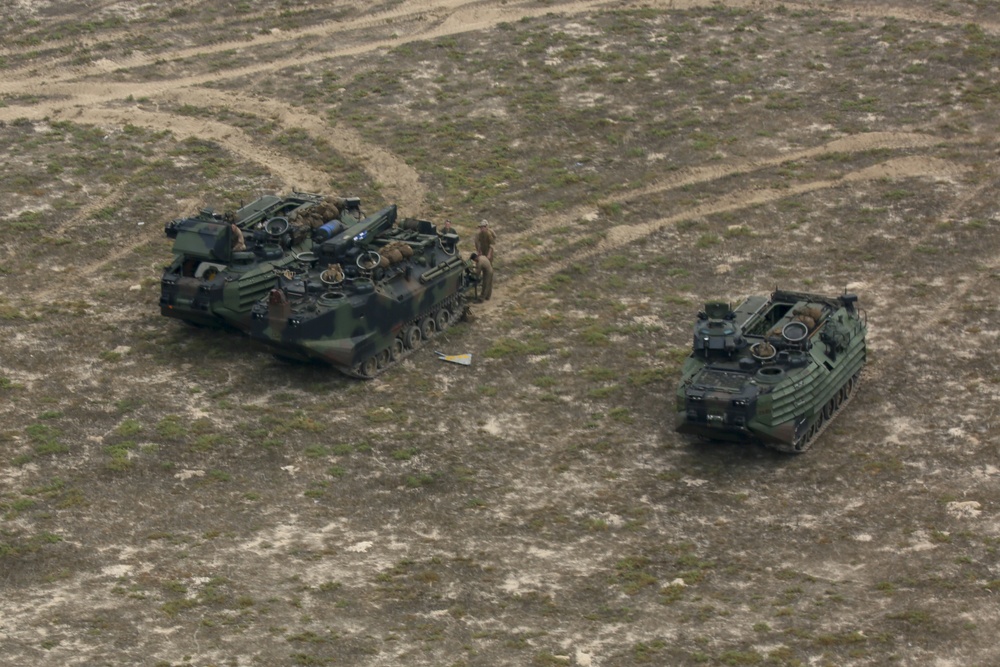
{"x": 223, "y": 264}
{"x": 374, "y": 293}
{"x": 775, "y": 370}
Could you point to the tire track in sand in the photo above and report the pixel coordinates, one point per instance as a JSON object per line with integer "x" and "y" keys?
{"x": 288, "y": 170}
{"x": 465, "y": 17}
{"x": 399, "y": 180}
{"x": 107, "y": 38}
{"x": 703, "y": 174}
{"x": 75, "y": 275}
{"x": 103, "y": 37}
{"x": 234, "y": 139}
{"x": 849, "y": 9}
{"x": 387, "y": 168}
{"x": 109, "y": 64}
{"x": 384, "y": 166}
{"x": 620, "y": 235}
{"x": 89, "y": 209}
{"x": 454, "y": 13}
{"x": 460, "y": 17}
{"x": 452, "y": 18}
{"x": 927, "y": 313}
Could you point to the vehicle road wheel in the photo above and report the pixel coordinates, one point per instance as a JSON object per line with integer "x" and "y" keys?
{"x": 396, "y": 349}
{"x": 369, "y": 366}
{"x": 411, "y": 338}
{"x": 802, "y": 444}
{"x": 383, "y": 358}
{"x": 427, "y": 328}
{"x": 442, "y": 320}
{"x": 841, "y": 396}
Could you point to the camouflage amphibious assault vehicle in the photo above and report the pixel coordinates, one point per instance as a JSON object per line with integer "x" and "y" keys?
{"x": 775, "y": 370}
{"x": 374, "y": 293}
{"x": 224, "y": 263}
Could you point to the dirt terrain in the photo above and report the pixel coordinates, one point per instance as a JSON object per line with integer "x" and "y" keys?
{"x": 174, "y": 496}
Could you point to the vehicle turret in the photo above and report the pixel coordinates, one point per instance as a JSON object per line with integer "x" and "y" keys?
{"x": 716, "y": 333}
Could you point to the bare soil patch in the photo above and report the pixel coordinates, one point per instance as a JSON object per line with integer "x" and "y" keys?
{"x": 172, "y": 495}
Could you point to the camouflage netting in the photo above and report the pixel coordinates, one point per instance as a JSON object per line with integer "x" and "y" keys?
{"x": 320, "y": 214}
{"x": 394, "y": 253}
{"x": 303, "y": 222}
{"x": 807, "y": 315}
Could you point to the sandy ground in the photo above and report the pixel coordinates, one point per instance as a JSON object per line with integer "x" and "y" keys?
{"x": 172, "y": 498}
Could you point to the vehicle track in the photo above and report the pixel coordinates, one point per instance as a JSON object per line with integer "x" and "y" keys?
{"x": 451, "y": 17}
{"x": 321, "y": 31}
{"x": 932, "y": 313}
{"x": 705, "y": 174}
{"x": 621, "y": 235}
{"x": 289, "y": 170}
{"x": 464, "y": 17}
{"x": 34, "y": 606}
{"x": 844, "y": 8}
{"x": 85, "y": 99}
{"x": 103, "y": 38}
{"x": 75, "y": 276}
{"x": 110, "y": 199}
{"x": 836, "y": 407}
{"x": 401, "y": 181}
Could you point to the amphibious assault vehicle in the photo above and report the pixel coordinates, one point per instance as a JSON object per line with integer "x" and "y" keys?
{"x": 374, "y": 292}
{"x": 775, "y": 369}
{"x": 224, "y": 263}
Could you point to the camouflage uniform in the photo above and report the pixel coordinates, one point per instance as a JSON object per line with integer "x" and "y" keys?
{"x": 483, "y": 269}
{"x": 485, "y": 240}
{"x": 239, "y": 245}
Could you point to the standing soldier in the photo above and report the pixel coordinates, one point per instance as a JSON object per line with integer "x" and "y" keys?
{"x": 485, "y": 240}
{"x": 482, "y": 269}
